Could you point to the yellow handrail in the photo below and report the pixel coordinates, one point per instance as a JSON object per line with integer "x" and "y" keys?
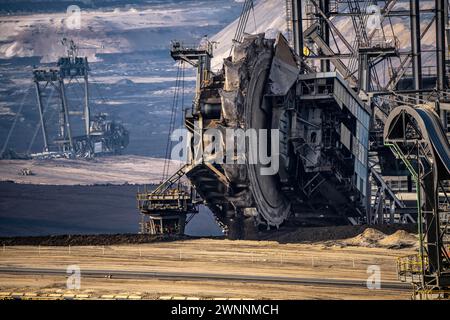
{"x": 412, "y": 264}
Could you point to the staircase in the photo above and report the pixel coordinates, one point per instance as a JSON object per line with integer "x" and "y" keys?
{"x": 173, "y": 179}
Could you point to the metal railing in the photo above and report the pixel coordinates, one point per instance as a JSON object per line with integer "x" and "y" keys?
{"x": 381, "y": 43}
{"x": 431, "y": 294}
{"x": 179, "y": 46}
{"x": 171, "y": 200}
{"x": 412, "y": 264}
{"x": 411, "y": 268}
{"x": 427, "y": 71}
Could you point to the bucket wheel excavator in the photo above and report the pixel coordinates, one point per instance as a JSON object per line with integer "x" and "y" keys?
{"x": 318, "y": 123}
{"x": 321, "y": 164}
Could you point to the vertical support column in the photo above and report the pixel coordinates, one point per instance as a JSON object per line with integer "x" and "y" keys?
{"x": 203, "y": 66}
{"x": 197, "y": 157}
{"x": 440, "y": 54}
{"x": 297, "y": 26}
{"x": 41, "y": 115}
{"x": 87, "y": 110}
{"x": 200, "y": 77}
{"x": 440, "y": 44}
{"x": 181, "y": 224}
{"x": 447, "y": 25}
{"x": 325, "y": 65}
{"x": 66, "y": 113}
{"x": 369, "y": 207}
{"x": 420, "y": 221}
{"x": 62, "y": 117}
{"x": 364, "y": 72}
{"x": 392, "y": 212}
{"x": 416, "y": 45}
{"x": 431, "y": 215}
{"x": 445, "y": 113}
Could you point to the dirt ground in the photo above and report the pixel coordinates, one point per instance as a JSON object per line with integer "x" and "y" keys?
{"x": 208, "y": 256}
{"x": 116, "y": 170}
{"x": 79, "y": 188}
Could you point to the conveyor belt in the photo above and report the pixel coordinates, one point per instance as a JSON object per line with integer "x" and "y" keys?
{"x": 437, "y": 138}
{"x": 430, "y": 128}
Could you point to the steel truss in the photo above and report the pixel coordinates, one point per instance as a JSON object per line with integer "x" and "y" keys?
{"x": 100, "y": 135}
{"x": 70, "y": 68}
{"x": 416, "y": 137}
{"x": 385, "y": 73}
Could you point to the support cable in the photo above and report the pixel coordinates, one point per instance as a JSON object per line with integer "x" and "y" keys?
{"x": 172, "y": 123}
{"x": 97, "y": 88}
{"x": 18, "y": 114}
{"x": 242, "y": 23}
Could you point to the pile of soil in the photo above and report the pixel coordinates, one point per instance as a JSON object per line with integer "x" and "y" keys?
{"x": 376, "y": 239}
{"x": 400, "y": 239}
{"x": 369, "y": 238}
{"x": 320, "y": 234}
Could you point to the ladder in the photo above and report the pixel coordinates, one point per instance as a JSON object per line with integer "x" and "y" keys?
{"x": 162, "y": 188}
{"x": 289, "y": 25}
{"x": 310, "y": 13}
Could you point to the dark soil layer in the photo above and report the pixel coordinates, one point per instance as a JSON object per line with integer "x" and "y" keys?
{"x": 90, "y": 240}
{"x": 298, "y": 235}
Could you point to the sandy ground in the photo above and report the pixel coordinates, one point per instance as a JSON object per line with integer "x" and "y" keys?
{"x": 208, "y": 256}
{"x": 116, "y": 170}
{"x": 63, "y": 197}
